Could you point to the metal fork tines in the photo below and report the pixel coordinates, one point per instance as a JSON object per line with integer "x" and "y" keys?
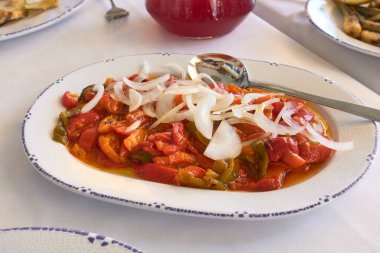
{"x": 116, "y": 12}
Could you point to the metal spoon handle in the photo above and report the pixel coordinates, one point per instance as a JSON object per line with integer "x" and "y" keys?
{"x": 362, "y": 111}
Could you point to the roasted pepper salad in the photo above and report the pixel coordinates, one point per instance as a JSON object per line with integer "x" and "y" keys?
{"x": 176, "y": 131}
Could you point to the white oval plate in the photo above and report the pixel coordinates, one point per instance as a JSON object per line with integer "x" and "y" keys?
{"x": 58, "y": 240}
{"x": 54, "y": 162}
{"x": 35, "y": 23}
{"x": 326, "y": 16}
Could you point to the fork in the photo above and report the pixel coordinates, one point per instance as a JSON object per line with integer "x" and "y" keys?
{"x": 116, "y": 12}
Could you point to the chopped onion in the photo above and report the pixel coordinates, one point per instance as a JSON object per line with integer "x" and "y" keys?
{"x": 234, "y": 121}
{"x": 268, "y": 125}
{"x": 145, "y": 86}
{"x": 224, "y": 144}
{"x": 95, "y": 100}
{"x": 133, "y": 127}
{"x": 177, "y": 68}
{"x": 224, "y": 102}
{"x": 239, "y": 112}
{"x": 144, "y": 73}
{"x": 210, "y": 91}
{"x": 148, "y": 110}
{"x": 164, "y": 104}
{"x": 151, "y": 96}
{"x": 200, "y": 76}
{"x": 135, "y": 98}
{"x": 168, "y": 115}
{"x": 181, "y": 90}
{"x": 202, "y": 118}
{"x": 189, "y": 102}
{"x": 252, "y": 96}
{"x": 191, "y": 82}
{"x": 119, "y": 93}
{"x": 189, "y": 115}
{"x": 219, "y": 117}
{"x": 342, "y": 146}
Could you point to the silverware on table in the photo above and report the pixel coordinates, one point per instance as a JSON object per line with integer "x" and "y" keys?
{"x": 116, "y": 12}
{"x": 232, "y": 70}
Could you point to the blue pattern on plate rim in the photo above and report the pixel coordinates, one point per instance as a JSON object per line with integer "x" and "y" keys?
{"x": 42, "y": 25}
{"x": 161, "y": 206}
{"x": 91, "y": 237}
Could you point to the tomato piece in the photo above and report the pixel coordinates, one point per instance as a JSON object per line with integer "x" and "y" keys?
{"x": 110, "y": 145}
{"x": 177, "y": 159}
{"x": 325, "y": 153}
{"x": 150, "y": 149}
{"x": 196, "y": 171}
{"x": 292, "y": 160}
{"x": 178, "y": 133}
{"x": 81, "y": 122}
{"x": 277, "y": 107}
{"x": 69, "y": 100}
{"x": 268, "y": 184}
{"x": 135, "y": 138}
{"x": 181, "y": 159}
{"x": 232, "y": 88}
{"x": 204, "y": 161}
{"x": 165, "y": 136}
{"x": 105, "y": 161}
{"x": 156, "y": 173}
{"x": 122, "y": 127}
{"x": 166, "y": 148}
{"x": 247, "y": 185}
{"x": 303, "y": 116}
{"x": 162, "y": 160}
{"x": 249, "y": 128}
{"x": 278, "y": 145}
{"x": 109, "y": 104}
{"x": 177, "y": 100}
{"x": 105, "y": 126}
{"x": 310, "y": 153}
{"x": 87, "y": 139}
{"x": 262, "y": 99}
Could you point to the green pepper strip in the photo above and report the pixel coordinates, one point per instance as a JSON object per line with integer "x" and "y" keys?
{"x": 231, "y": 173}
{"x": 258, "y": 163}
{"x": 59, "y": 133}
{"x": 190, "y": 126}
{"x": 141, "y": 156}
{"x": 219, "y": 166}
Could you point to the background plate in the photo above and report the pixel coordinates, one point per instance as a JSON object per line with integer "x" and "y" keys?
{"x": 55, "y": 163}
{"x": 326, "y": 16}
{"x": 45, "y": 19}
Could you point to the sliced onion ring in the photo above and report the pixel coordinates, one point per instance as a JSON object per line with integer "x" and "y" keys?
{"x": 224, "y": 144}
{"x": 202, "y": 118}
{"x": 95, "y": 100}
{"x": 145, "y": 86}
{"x": 341, "y": 146}
{"x": 135, "y": 98}
{"x": 268, "y": 125}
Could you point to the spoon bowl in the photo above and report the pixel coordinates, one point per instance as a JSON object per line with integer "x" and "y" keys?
{"x": 228, "y": 69}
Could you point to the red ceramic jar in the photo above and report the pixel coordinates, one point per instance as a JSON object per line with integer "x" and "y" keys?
{"x": 199, "y": 18}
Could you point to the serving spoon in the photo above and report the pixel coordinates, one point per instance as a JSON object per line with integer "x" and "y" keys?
{"x": 228, "y": 69}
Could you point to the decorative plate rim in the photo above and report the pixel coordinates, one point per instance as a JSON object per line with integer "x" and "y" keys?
{"x": 42, "y": 25}
{"x": 339, "y": 40}
{"x": 91, "y": 237}
{"x": 162, "y": 207}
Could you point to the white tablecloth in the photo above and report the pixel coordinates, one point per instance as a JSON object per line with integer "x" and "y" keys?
{"x": 290, "y": 17}
{"x": 28, "y": 64}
